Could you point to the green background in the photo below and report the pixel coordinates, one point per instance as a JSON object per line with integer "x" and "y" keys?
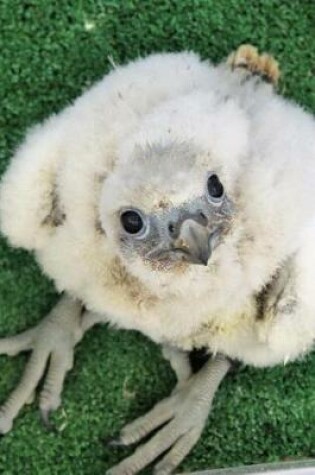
{"x": 50, "y": 51}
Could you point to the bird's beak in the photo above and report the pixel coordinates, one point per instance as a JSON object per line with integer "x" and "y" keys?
{"x": 195, "y": 242}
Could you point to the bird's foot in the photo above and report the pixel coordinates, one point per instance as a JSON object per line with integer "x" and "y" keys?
{"x": 184, "y": 414}
{"x": 179, "y": 361}
{"x": 52, "y": 340}
{"x": 248, "y": 58}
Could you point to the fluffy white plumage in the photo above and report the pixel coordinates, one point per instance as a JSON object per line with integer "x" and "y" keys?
{"x": 147, "y": 136}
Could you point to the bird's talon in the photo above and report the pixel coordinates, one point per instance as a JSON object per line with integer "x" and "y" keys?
{"x": 45, "y": 418}
{"x": 114, "y": 442}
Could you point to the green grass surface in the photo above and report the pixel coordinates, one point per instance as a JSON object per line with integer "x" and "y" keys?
{"x": 50, "y": 51}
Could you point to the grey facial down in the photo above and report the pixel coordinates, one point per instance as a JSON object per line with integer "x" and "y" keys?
{"x": 188, "y": 233}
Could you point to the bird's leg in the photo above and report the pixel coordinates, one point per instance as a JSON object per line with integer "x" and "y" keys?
{"x": 179, "y": 361}
{"x": 248, "y": 59}
{"x": 185, "y": 414}
{"x": 52, "y": 343}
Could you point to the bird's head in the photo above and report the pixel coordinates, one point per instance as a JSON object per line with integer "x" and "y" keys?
{"x": 170, "y": 201}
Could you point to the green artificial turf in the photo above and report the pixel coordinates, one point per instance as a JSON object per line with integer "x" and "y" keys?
{"x": 50, "y": 51}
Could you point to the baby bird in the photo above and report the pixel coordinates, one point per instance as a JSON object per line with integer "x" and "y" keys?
{"x": 175, "y": 198}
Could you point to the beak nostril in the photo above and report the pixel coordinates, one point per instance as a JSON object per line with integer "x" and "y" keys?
{"x": 203, "y": 217}
{"x": 171, "y": 228}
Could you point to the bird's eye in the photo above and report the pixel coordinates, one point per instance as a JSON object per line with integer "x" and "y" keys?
{"x": 133, "y": 222}
{"x": 215, "y": 188}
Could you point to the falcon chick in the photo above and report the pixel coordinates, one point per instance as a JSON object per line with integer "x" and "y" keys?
{"x": 174, "y": 198}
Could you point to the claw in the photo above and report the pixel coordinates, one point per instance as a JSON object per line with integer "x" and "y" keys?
{"x": 113, "y": 442}
{"x": 49, "y": 426}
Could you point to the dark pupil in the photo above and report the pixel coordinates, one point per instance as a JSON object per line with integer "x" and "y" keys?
{"x": 131, "y": 221}
{"x": 215, "y": 187}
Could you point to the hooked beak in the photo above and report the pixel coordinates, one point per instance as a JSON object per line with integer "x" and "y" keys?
{"x": 195, "y": 242}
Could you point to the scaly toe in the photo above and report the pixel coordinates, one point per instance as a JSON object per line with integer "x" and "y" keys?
{"x": 14, "y": 345}
{"x": 166, "y": 470}
{"x": 49, "y": 402}
{"x": 6, "y": 423}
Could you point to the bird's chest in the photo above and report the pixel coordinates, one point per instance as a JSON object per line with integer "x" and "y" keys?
{"x": 186, "y": 319}
{"x": 221, "y": 330}
{"x": 183, "y": 321}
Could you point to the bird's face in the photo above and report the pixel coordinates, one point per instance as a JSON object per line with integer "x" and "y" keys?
{"x": 167, "y": 210}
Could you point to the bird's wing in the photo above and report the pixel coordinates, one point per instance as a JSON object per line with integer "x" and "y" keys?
{"x": 27, "y": 188}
